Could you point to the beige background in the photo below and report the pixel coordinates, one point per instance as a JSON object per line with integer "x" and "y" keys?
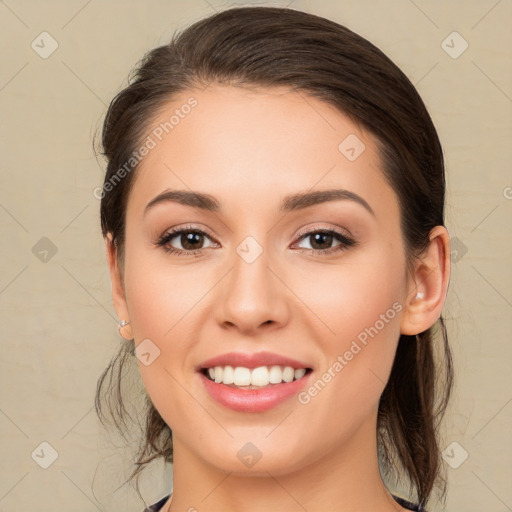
{"x": 58, "y": 327}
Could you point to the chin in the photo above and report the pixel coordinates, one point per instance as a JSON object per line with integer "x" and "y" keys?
{"x": 257, "y": 458}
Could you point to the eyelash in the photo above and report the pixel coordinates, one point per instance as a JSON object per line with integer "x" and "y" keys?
{"x": 345, "y": 241}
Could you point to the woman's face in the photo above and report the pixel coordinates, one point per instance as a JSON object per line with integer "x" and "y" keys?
{"x": 259, "y": 292}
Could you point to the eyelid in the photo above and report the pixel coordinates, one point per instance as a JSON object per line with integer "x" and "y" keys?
{"x": 175, "y": 231}
{"x": 344, "y": 237}
{"x": 319, "y": 227}
{"x": 305, "y": 231}
{"x": 187, "y": 227}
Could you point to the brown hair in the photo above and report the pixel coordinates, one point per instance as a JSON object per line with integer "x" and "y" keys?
{"x": 267, "y": 46}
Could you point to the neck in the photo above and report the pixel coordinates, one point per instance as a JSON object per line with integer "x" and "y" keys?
{"x": 346, "y": 480}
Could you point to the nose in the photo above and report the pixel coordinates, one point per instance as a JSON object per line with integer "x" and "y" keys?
{"x": 252, "y": 297}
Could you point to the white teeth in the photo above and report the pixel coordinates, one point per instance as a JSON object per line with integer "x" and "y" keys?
{"x": 275, "y": 375}
{"x": 288, "y": 374}
{"x": 300, "y": 373}
{"x": 228, "y": 376}
{"x": 242, "y": 376}
{"x": 258, "y": 377}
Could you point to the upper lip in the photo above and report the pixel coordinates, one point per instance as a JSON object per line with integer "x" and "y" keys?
{"x": 253, "y": 360}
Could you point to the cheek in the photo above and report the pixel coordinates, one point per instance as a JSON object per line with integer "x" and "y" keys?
{"x": 357, "y": 313}
{"x": 160, "y": 295}
{"x": 351, "y": 296}
{"x": 158, "y": 301}
{"x": 165, "y": 304}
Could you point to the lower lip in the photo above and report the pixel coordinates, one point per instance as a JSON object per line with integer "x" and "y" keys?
{"x": 253, "y": 400}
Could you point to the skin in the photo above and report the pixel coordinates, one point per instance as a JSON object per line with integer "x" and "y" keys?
{"x": 249, "y": 148}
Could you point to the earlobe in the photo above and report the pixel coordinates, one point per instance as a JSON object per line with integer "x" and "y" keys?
{"x": 116, "y": 280}
{"x": 427, "y": 293}
{"x": 125, "y": 330}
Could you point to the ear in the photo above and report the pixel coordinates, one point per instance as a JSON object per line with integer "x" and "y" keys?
{"x": 428, "y": 288}
{"x": 116, "y": 282}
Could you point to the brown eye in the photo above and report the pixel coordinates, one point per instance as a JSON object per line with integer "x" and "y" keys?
{"x": 191, "y": 240}
{"x": 188, "y": 241}
{"x": 321, "y": 241}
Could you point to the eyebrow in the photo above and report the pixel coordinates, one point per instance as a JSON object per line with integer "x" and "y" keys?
{"x": 291, "y": 202}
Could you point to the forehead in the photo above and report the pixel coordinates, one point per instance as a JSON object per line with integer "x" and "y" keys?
{"x": 242, "y": 144}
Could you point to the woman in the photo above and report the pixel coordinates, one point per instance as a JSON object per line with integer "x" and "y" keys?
{"x": 273, "y": 212}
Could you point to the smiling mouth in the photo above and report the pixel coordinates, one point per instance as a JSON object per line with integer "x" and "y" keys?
{"x": 241, "y": 377}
